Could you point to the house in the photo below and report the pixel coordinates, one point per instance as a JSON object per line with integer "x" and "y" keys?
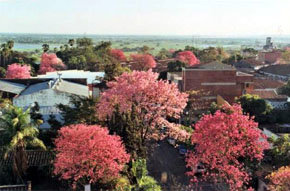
{"x": 249, "y": 65}
{"x": 10, "y": 89}
{"x": 48, "y": 95}
{"x": 91, "y": 78}
{"x": 272, "y": 97}
{"x": 277, "y": 72}
{"x": 217, "y": 79}
{"x": 270, "y": 57}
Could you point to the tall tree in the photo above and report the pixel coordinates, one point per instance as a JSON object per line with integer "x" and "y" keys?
{"x": 71, "y": 42}
{"x": 188, "y": 58}
{"x": 18, "y": 71}
{"x": 142, "y": 61}
{"x": 88, "y": 154}
{"x": 226, "y": 143}
{"x": 50, "y": 63}
{"x": 19, "y": 134}
{"x": 45, "y": 48}
{"x": 153, "y": 100}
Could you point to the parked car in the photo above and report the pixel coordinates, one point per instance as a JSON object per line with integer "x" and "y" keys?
{"x": 182, "y": 150}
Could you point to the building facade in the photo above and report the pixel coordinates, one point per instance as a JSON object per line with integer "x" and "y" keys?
{"x": 217, "y": 79}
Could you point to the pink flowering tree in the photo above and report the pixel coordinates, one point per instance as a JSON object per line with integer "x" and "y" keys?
{"x": 118, "y": 55}
{"x": 280, "y": 179}
{"x": 18, "y": 71}
{"x": 188, "y": 58}
{"x": 142, "y": 61}
{"x": 151, "y": 99}
{"x": 224, "y": 142}
{"x": 50, "y": 63}
{"x": 88, "y": 154}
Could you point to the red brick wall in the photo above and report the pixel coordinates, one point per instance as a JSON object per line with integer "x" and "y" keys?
{"x": 193, "y": 79}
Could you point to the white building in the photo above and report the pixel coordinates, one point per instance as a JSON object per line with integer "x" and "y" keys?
{"x": 48, "y": 95}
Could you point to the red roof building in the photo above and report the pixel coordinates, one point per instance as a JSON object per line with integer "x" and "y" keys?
{"x": 218, "y": 79}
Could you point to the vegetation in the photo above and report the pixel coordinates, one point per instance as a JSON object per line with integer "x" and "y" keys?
{"x": 255, "y": 107}
{"x": 19, "y": 133}
{"x": 225, "y": 143}
{"x": 18, "y": 71}
{"x": 88, "y": 154}
{"x": 152, "y": 100}
{"x": 279, "y": 180}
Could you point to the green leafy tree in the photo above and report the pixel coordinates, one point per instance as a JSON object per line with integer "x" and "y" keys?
{"x": 45, "y": 47}
{"x": 19, "y": 134}
{"x": 84, "y": 42}
{"x": 71, "y": 42}
{"x": 175, "y": 66}
{"x": 114, "y": 69}
{"x": 142, "y": 182}
{"x": 127, "y": 126}
{"x": 255, "y": 106}
{"x": 281, "y": 150}
{"x": 2, "y": 72}
{"x": 81, "y": 110}
{"x": 285, "y": 90}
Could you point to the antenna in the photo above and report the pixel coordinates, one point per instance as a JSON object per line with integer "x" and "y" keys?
{"x": 59, "y": 75}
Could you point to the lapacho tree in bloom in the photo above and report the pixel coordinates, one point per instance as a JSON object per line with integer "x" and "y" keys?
{"x": 224, "y": 142}
{"x": 50, "y": 63}
{"x": 18, "y": 71}
{"x": 142, "y": 62}
{"x": 88, "y": 154}
{"x": 280, "y": 179}
{"x": 188, "y": 58}
{"x": 118, "y": 55}
{"x": 153, "y": 102}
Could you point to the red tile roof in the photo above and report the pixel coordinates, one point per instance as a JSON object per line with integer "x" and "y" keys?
{"x": 269, "y": 94}
{"x": 264, "y": 83}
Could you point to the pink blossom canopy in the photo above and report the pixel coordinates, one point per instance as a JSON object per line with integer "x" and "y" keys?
{"x": 188, "y": 58}
{"x": 18, "y": 71}
{"x": 50, "y": 63}
{"x": 88, "y": 152}
{"x": 118, "y": 55}
{"x": 222, "y": 140}
{"x": 142, "y": 61}
{"x": 155, "y": 100}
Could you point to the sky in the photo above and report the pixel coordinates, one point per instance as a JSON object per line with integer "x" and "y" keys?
{"x": 146, "y": 17}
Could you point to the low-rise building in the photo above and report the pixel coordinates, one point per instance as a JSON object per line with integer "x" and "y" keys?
{"x": 48, "y": 95}
{"x": 272, "y": 97}
{"x": 217, "y": 79}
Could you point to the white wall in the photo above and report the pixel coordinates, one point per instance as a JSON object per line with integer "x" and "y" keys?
{"x": 47, "y": 100}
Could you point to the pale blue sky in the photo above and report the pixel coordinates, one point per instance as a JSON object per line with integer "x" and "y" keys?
{"x": 148, "y": 17}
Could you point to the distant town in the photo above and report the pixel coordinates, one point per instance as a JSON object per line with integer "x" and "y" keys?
{"x": 182, "y": 114}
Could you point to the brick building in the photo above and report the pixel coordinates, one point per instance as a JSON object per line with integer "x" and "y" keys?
{"x": 270, "y": 57}
{"x": 217, "y": 79}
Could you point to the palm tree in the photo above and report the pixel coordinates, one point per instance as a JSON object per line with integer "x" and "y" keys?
{"x": 19, "y": 134}
{"x": 71, "y": 42}
{"x": 45, "y": 47}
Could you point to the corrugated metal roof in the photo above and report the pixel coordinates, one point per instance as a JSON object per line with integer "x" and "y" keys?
{"x": 75, "y": 74}
{"x": 11, "y": 87}
{"x": 59, "y": 85}
{"x": 35, "y": 88}
{"x": 72, "y": 88}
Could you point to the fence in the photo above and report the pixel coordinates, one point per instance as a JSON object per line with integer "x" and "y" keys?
{"x": 21, "y": 187}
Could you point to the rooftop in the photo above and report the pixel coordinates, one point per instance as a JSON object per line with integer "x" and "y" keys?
{"x": 279, "y": 69}
{"x": 265, "y": 83}
{"x": 74, "y": 74}
{"x": 212, "y": 66}
{"x": 11, "y": 87}
{"x": 268, "y": 94}
{"x": 59, "y": 85}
